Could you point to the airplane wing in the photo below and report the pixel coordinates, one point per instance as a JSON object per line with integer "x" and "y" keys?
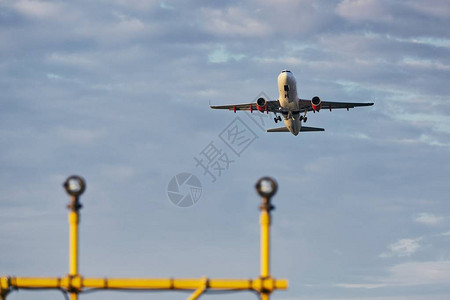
{"x": 306, "y": 104}
{"x": 272, "y": 106}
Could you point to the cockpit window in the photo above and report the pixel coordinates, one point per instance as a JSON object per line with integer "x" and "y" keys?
{"x": 285, "y": 71}
{"x": 286, "y": 88}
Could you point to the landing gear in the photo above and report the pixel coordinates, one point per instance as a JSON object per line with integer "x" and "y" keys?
{"x": 304, "y": 118}
{"x": 277, "y": 118}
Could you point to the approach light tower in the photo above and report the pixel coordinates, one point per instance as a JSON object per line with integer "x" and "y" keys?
{"x": 75, "y": 284}
{"x": 266, "y": 188}
{"x": 75, "y": 186}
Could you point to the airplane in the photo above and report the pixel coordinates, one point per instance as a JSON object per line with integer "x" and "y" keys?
{"x": 290, "y": 106}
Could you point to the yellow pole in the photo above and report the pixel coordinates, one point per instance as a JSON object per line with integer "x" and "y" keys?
{"x": 68, "y": 282}
{"x": 266, "y": 207}
{"x": 73, "y": 243}
{"x": 73, "y": 236}
{"x": 265, "y": 243}
{"x": 200, "y": 290}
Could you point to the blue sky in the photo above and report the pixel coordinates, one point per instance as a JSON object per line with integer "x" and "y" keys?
{"x": 118, "y": 92}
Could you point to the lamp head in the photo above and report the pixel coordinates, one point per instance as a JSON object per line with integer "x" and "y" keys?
{"x": 266, "y": 187}
{"x": 75, "y": 185}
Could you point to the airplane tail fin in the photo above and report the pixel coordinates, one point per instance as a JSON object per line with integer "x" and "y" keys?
{"x": 302, "y": 129}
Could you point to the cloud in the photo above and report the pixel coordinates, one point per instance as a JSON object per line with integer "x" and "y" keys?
{"x": 360, "y": 10}
{"x": 360, "y": 285}
{"x": 117, "y": 91}
{"x": 221, "y": 55}
{"x": 234, "y": 22}
{"x": 402, "y": 248}
{"x": 428, "y": 219}
{"x": 439, "y": 9}
{"x": 164, "y": 5}
{"x": 118, "y": 173}
{"x": 400, "y": 18}
{"x": 79, "y": 60}
{"x": 80, "y": 136}
{"x": 409, "y": 274}
{"x": 139, "y": 4}
{"x": 38, "y": 9}
{"x": 420, "y": 273}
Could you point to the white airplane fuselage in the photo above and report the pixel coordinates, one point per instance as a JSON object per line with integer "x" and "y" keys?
{"x": 289, "y": 101}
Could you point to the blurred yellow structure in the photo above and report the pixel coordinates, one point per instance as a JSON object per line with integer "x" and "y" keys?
{"x": 75, "y": 284}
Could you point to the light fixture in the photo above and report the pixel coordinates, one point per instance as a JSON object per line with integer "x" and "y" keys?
{"x": 75, "y": 185}
{"x": 266, "y": 187}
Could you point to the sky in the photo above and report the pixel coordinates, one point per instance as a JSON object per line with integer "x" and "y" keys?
{"x": 119, "y": 92}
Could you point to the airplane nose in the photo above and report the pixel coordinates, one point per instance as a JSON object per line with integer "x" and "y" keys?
{"x": 282, "y": 76}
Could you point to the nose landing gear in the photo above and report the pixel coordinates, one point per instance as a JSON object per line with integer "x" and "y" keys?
{"x": 277, "y": 118}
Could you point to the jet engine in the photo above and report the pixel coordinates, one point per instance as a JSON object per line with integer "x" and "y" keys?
{"x": 316, "y": 103}
{"x": 261, "y": 104}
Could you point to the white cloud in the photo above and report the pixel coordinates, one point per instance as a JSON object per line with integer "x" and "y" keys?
{"x": 122, "y": 30}
{"x": 80, "y": 60}
{"x": 438, "y": 122}
{"x": 53, "y": 76}
{"x": 118, "y": 173}
{"x": 222, "y": 55}
{"x": 403, "y": 247}
{"x": 407, "y": 18}
{"x": 428, "y": 219}
{"x": 359, "y": 10}
{"x": 425, "y": 63}
{"x": 439, "y": 9}
{"x": 409, "y": 274}
{"x": 433, "y": 41}
{"x": 420, "y": 273}
{"x": 38, "y": 9}
{"x": 80, "y": 136}
{"x": 360, "y": 285}
{"x": 164, "y": 5}
{"x": 139, "y": 4}
{"x": 281, "y": 60}
{"x": 235, "y": 22}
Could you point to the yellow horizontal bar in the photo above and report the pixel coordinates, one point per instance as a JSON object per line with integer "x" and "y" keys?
{"x": 78, "y": 283}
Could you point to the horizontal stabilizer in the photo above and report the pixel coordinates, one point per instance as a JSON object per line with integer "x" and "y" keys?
{"x": 305, "y": 128}
{"x": 302, "y": 129}
{"x": 281, "y": 129}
